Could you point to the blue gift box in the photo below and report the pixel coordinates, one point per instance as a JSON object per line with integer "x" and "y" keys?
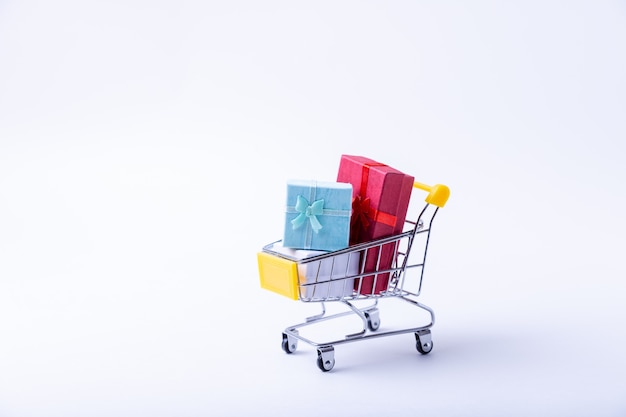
{"x": 317, "y": 215}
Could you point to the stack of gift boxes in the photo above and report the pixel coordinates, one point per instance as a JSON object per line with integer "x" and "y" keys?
{"x": 368, "y": 201}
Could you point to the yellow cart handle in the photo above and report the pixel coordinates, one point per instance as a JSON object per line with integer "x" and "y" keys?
{"x": 437, "y": 194}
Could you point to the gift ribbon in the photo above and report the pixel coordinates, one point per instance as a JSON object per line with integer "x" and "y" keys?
{"x": 365, "y": 175}
{"x": 362, "y": 212}
{"x": 308, "y": 212}
{"x": 360, "y": 209}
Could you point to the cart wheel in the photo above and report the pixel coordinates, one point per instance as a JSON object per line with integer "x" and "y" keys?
{"x": 424, "y": 344}
{"x": 326, "y": 358}
{"x": 373, "y": 319}
{"x": 289, "y": 344}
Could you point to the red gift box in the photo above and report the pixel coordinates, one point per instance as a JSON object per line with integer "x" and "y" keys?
{"x": 380, "y": 200}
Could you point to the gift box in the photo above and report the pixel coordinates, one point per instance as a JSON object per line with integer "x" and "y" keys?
{"x": 317, "y": 215}
{"x": 323, "y": 279}
{"x": 380, "y": 202}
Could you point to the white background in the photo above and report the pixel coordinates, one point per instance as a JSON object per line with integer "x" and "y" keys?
{"x": 144, "y": 147}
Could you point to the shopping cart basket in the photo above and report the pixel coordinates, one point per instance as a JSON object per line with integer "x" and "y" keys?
{"x": 351, "y": 276}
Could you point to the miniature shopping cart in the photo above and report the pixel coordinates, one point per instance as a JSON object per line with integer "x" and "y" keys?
{"x": 388, "y": 268}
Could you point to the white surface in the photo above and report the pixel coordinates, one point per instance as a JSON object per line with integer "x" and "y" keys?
{"x": 144, "y": 148}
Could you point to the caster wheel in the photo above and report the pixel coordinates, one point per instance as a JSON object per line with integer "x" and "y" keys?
{"x": 326, "y": 358}
{"x": 373, "y": 319}
{"x": 289, "y": 344}
{"x": 424, "y": 343}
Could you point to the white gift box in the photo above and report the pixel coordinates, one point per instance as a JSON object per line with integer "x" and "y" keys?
{"x": 325, "y": 278}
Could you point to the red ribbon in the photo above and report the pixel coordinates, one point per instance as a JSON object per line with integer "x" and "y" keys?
{"x": 362, "y": 211}
{"x": 365, "y": 174}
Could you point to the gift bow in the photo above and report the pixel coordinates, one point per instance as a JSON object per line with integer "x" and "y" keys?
{"x": 360, "y": 211}
{"x": 308, "y": 211}
{"x": 363, "y": 214}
